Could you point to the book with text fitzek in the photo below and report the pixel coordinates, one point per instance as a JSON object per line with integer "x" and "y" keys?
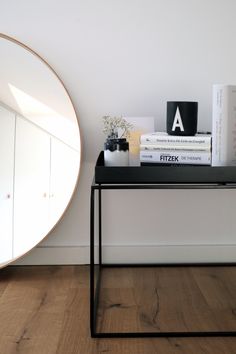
{"x": 176, "y": 157}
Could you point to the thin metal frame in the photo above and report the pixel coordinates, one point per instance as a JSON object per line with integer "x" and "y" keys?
{"x": 95, "y": 288}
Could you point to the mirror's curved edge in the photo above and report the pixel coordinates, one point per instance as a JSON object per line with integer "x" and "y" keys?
{"x": 14, "y": 40}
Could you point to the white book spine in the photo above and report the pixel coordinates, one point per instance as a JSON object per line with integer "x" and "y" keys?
{"x": 224, "y": 125}
{"x": 198, "y": 140}
{"x": 179, "y": 157}
{"x": 167, "y": 147}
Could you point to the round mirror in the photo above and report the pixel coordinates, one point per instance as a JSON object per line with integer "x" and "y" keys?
{"x": 40, "y": 149}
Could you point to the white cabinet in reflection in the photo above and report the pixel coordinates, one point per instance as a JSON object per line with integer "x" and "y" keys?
{"x": 31, "y": 187}
{"x": 62, "y": 174}
{"x": 7, "y": 128}
{"x": 37, "y": 177}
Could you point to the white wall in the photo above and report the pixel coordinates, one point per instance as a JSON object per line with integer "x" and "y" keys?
{"x": 129, "y": 57}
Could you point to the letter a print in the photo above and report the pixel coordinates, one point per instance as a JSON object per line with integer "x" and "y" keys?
{"x": 177, "y": 121}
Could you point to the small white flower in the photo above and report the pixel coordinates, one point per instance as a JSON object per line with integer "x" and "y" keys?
{"x": 112, "y": 124}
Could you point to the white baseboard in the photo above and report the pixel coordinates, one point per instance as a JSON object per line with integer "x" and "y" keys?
{"x": 132, "y": 254}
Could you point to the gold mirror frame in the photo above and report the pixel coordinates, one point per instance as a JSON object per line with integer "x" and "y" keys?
{"x": 15, "y": 41}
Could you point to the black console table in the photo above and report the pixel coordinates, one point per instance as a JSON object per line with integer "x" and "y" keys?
{"x": 146, "y": 177}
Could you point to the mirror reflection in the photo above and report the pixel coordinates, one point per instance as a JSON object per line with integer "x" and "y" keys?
{"x": 40, "y": 149}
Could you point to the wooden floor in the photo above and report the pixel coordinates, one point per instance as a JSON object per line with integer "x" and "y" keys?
{"x": 167, "y": 299}
{"x": 45, "y": 309}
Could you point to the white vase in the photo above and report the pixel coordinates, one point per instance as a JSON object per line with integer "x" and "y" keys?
{"x": 116, "y": 152}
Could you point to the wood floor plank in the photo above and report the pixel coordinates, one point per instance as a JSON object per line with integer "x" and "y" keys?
{"x": 5, "y": 279}
{"x": 75, "y": 326}
{"x": 36, "y": 302}
{"x": 218, "y": 285}
{"x": 118, "y": 311}
{"x": 45, "y": 310}
{"x": 158, "y": 300}
{"x": 181, "y": 303}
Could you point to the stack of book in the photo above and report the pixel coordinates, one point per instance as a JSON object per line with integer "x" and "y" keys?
{"x": 224, "y": 125}
{"x": 161, "y": 148}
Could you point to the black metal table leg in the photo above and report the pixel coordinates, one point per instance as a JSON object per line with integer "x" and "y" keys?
{"x": 100, "y": 226}
{"x": 92, "y": 317}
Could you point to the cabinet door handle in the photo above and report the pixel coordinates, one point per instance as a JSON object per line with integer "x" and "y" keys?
{"x": 8, "y": 196}
{"x": 44, "y": 195}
